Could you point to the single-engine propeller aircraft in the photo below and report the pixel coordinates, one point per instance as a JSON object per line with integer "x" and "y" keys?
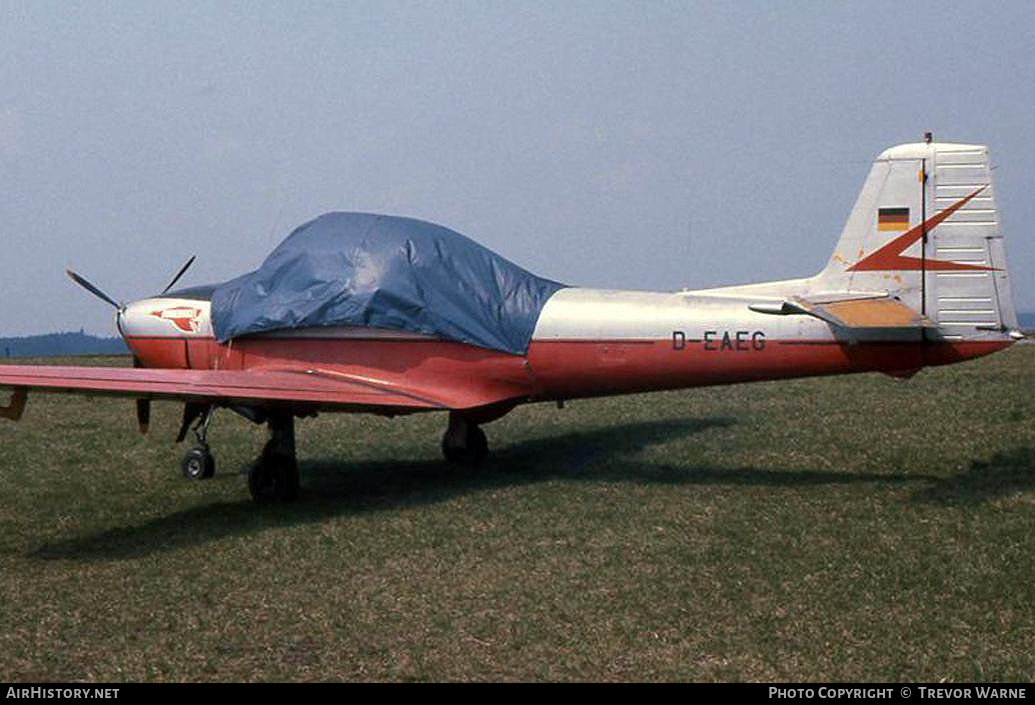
{"x": 370, "y": 313}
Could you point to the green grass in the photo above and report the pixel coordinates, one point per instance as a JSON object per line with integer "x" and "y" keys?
{"x": 852, "y": 528}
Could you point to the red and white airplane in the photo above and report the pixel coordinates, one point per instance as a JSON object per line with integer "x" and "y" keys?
{"x": 917, "y": 278}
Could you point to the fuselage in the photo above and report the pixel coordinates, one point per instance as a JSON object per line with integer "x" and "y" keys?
{"x": 918, "y": 277}
{"x": 587, "y": 342}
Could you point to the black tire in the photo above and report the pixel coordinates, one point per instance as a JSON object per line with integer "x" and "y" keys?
{"x": 273, "y": 477}
{"x": 198, "y": 464}
{"x": 477, "y": 445}
{"x": 453, "y": 454}
{"x": 473, "y": 453}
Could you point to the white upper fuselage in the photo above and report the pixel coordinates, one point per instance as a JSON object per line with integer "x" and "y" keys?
{"x": 608, "y": 314}
{"x": 570, "y": 314}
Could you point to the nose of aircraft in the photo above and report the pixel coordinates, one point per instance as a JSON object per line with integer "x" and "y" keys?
{"x": 127, "y": 315}
{"x": 164, "y": 317}
{"x": 157, "y": 330}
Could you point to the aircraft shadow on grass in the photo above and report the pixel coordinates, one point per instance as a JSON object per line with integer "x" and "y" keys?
{"x": 607, "y": 454}
{"x": 1005, "y": 474}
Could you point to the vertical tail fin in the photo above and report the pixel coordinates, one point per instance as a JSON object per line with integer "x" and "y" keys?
{"x": 925, "y": 228}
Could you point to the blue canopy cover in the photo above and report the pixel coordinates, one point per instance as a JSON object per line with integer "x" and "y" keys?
{"x": 385, "y": 271}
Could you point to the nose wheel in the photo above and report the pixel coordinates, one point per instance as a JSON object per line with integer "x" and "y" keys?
{"x": 197, "y": 463}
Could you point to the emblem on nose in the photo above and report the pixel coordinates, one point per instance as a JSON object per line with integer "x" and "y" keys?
{"x": 185, "y": 318}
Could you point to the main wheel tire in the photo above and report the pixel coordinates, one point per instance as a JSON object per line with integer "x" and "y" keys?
{"x": 473, "y": 452}
{"x": 198, "y": 464}
{"x": 273, "y": 477}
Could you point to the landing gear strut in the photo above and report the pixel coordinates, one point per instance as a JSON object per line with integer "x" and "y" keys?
{"x": 464, "y": 443}
{"x": 273, "y": 477}
{"x": 197, "y": 463}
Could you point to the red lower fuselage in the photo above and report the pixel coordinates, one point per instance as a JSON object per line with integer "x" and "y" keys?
{"x": 555, "y": 369}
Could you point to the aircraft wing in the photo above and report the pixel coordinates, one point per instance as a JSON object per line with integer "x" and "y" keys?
{"x": 323, "y": 388}
{"x": 861, "y": 312}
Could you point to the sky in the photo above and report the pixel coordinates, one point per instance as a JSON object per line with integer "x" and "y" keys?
{"x": 640, "y": 145}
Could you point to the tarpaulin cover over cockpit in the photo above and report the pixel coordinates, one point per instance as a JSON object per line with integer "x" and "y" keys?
{"x": 383, "y": 271}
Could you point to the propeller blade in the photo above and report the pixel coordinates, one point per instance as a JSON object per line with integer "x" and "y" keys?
{"x": 179, "y": 274}
{"x": 91, "y": 288}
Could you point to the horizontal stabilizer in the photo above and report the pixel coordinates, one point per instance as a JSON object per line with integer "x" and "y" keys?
{"x": 873, "y": 312}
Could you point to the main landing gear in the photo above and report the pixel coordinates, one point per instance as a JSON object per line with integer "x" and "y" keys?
{"x": 273, "y": 477}
{"x": 464, "y": 443}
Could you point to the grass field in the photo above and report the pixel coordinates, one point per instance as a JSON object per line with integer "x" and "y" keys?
{"x": 853, "y": 528}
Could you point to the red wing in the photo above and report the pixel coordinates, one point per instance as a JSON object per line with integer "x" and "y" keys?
{"x": 248, "y": 386}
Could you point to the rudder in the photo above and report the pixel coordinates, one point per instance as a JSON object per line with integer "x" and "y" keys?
{"x": 925, "y": 229}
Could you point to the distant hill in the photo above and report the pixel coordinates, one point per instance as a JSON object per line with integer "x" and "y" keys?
{"x": 61, "y": 344}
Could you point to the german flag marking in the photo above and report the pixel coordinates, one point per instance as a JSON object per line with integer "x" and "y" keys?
{"x": 895, "y": 219}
